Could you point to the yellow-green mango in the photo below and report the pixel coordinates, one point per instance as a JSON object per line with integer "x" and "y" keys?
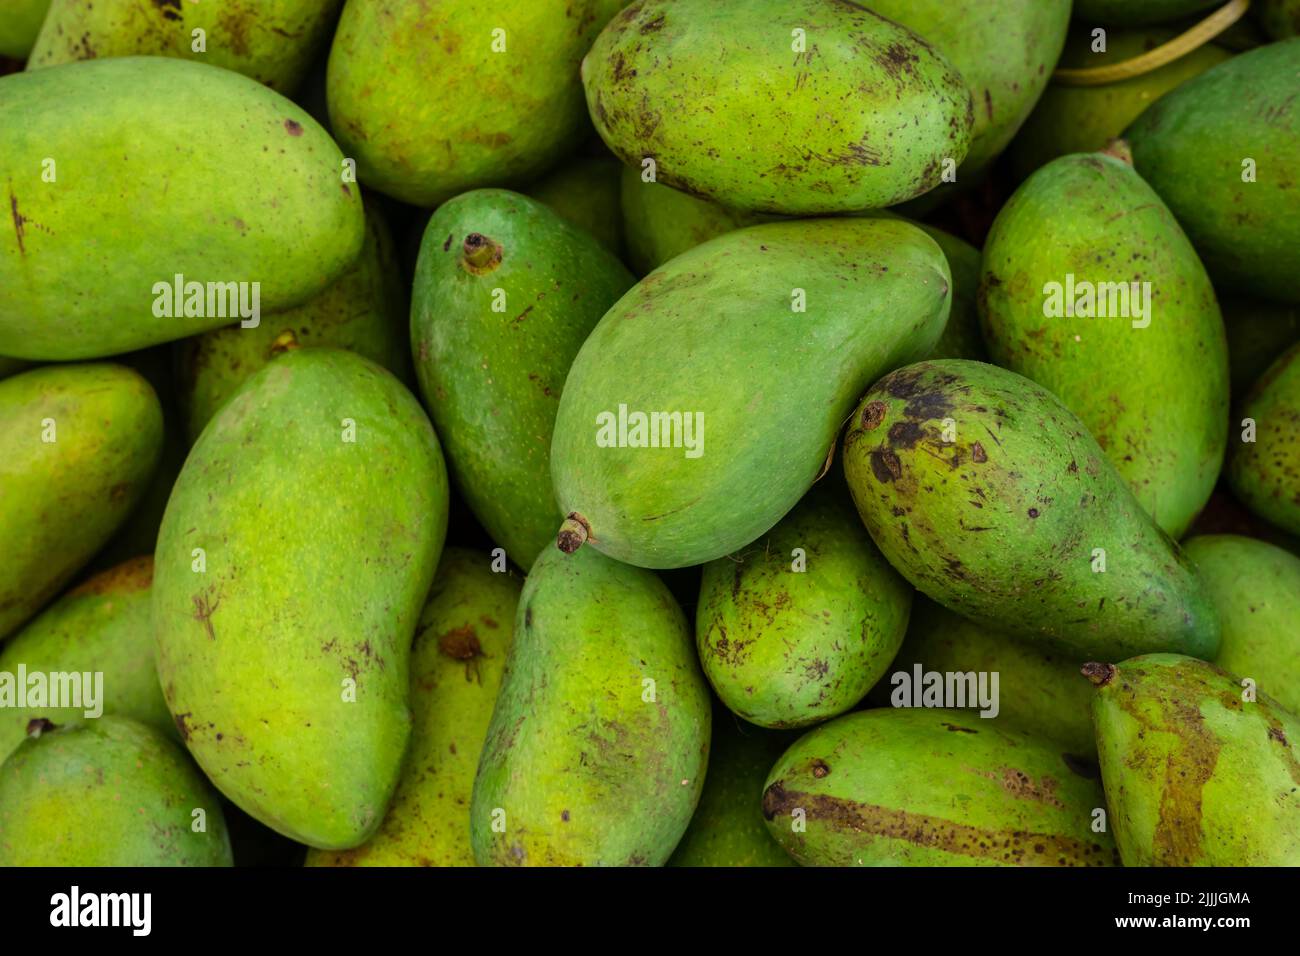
{"x": 433, "y": 99}
{"x": 989, "y": 495}
{"x": 1199, "y": 770}
{"x": 1130, "y": 13}
{"x": 1264, "y": 472}
{"x": 781, "y": 106}
{"x": 586, "y": 192}
{"x": 294, "y": 557}
{"x": 1258, "y": 332}
{"x": 1084, "y": 269}
{"x": 272, "y": 41}
{"x": 107, "y": 792}
{"x": 1279, "y": 18}
{"x": 457, "y": 659}
{"x": 220, "y": 180}
{"x": 20, "y": 21}
{"x": 932, "y": 787}
{"x": 596, "y": 752}
{"x": 78, "y": 445}
{"x": 759, "y": 341}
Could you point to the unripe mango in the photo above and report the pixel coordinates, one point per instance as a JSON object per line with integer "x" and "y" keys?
{"x": 586, "y": 192}
{"x": 1265, "y": 472}
{"x": 20, "y": 21}
{"x": 1258, "y": 332}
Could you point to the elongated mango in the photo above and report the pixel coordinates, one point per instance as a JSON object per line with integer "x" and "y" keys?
{"x": 1264, "y": 467}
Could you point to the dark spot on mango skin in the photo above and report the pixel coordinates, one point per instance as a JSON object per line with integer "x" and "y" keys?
{"x": 182, "y": 727}
{"x": 873, "y": 414}
{"x": 170, "y": 9}
{"x": 294, "y": 128}
{"x": 885, "y": 465}
{"x": 39, "y": 725}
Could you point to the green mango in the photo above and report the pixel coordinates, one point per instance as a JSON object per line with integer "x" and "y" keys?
{"x": 363, "y": 311}
{"x": 107, "y": 792}
{"x": 931, "y": 787}
{"x": 78, "y": 444}
{"x": 1133, "y": 13}
{"x": 272, "y": 41}
{"x": 798, "y": 626}
{"x": 961, "y": 336}
{"x": 596, "y": 752}
{"x": 1258, "y": 332}
{"x": 586, "y": 193}
{"x": 20, "y": 21}
{"x": 1279, "y": 18}
{"x": 1192, "y": 147}
{"x": 1091, "y": 219}
{"x": 781, "y": 106}
{"x": 766, "y": 336}
{"x": 101, "y": 626}
{"x": 1265, "y": 473}
{"x": 1012, "y": 519}
{"x": 727, "y": 828}
{"x": 435, "y": 99}
{"x": 1039, "y": 690}
{"x": 1197, "y": 772}
{"x": 492, "y": 379}
{"x": 457, "y": 660}
{"x": 188, "y": 198}
{"x": 294, "y": 557}
{"x": 1083, "y": 119}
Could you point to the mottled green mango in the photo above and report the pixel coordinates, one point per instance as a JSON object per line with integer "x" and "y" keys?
{"x": 932, "y": 787}
{"x": 1198, "y": 770}
{"x": 78, "y": 444}
{"x": 727, "y": 828}
{"x": 1084, "y": 269}
{"x": 1083, "y": 119}
{"x": 272, "y": 41}
{"x": 107, "y": 792}
{"x": 364, "y": 311}
{"x": 222, "y": 181}
{"x": 101, "y": 626}
{"x": 20, "y": 21}
{"x": 296, "y": 552}
{"x": 597, "y": 748}
{"x": 991, "y": 497}
{"x": 435, "y": 99}
{"x": 457, "y": 659}
{"x": 1132, "y": 13}
{"x": 586, "y": 193}
{"x": 1220, "y": 150}
{"x": 782, "y": 106}
{"x": 1258, "y": 332}
{"x": 759, "y": 341}
{"x": 1279, "y": 18}
{"x": 799, "y": 625}
{"x": 492, "y": 379}
{"x": 1265, "y": 473}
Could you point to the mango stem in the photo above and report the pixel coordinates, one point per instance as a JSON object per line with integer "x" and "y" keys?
{"x": 573, "y": 533}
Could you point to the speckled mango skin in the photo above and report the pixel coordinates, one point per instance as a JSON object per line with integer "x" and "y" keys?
{"x": 459, "y": 654}
{"x": 932, "y": 787}
{"x": 164, "y": 167}
{"x": 492, "y": 380}
{"x": 586, "y": 192}
{"x": 272, "y": 41}
{"x": 101, "y": 625}
{"x": 1194, "y": 775}
{"x": 61, "y": 501}
{"x": 419, "y": 97}
{"x": 1131, "y": 13}
{"x": 1162, "y": 421}
{"x": 107, "y": 792}
{"x": 1190, "y": 146}
{"x": 715, "y": 332}
{"x": 591, "y": 765}
{"x": 364, "y": 311}
{"x": 1265, "y": 473}
{"x": 20, "y": 21}
{"x": 319, "y": 555}
{"x": 1000, "y": 525}
{"x": 787, "y": 648}
{"x": 864, "y": 118}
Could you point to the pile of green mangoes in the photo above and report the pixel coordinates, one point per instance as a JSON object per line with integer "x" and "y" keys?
{"x": 582, "y": 432}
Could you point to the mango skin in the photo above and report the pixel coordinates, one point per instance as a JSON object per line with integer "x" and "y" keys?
{"x": 1092, "y": 216}
{"x": 591, "y": 763}
{"x": 419, "y": 97}
{"x": 492, "y": 380}
{"x": 787, "y": 648}
{"x": 363, "y": 311}
{"x": 1000, "y": 525}
{"x": 1195, "y": 775}
{"x": 1190, "y": 147}
{"x": 961, "y": 336}
{"x": 932, "y": 787}
{"x": 107, "y": 792}
{"x": 715, "y": 332}
{"x": 862, "y": 120}
{"x": 1258, "y": 332}
{"x": 100, "y": 625}
{"x": 253, "y": 193}
{"x": 20, "y": 21}
{"x": 457, "y": 660}
{"x": 60, "y": 501}
{"x": 1279, "y": 18}
{"x": 1265, "y": 474}
{"x": 256, "y": 652}
{"x": 1130, "y": 13}
{"x": 272, "y": 41}
{"x": 586, "y": 192}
